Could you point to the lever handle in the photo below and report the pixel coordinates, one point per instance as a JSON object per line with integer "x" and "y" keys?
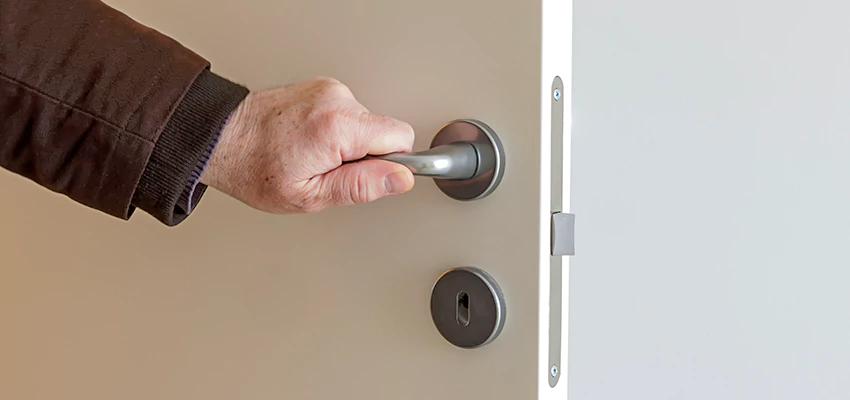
{"x": 466, "y": 160}
{"x": 459, "y": 160}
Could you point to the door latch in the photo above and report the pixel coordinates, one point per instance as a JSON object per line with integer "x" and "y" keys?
{"x": 563, "y": 234}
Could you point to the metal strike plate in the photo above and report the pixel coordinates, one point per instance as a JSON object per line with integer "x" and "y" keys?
{"x": 468, "y": 307}
{"x": 562, "y": 234}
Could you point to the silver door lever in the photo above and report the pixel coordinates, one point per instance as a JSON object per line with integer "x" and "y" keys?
{"x": 460, "y": 160}
{"x": 466, "y": 160}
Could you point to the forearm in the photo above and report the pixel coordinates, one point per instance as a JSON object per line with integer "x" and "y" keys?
{"x": 104, "y": 110}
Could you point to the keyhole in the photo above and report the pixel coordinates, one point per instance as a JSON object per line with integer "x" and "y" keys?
{"x": 463, "y": 308}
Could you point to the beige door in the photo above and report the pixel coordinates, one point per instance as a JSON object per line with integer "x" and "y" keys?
{"x": 236, "y": 304}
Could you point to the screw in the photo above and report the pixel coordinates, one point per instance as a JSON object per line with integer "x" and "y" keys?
{"x": 554, "y": 371}
{"x": 557, "y": 94}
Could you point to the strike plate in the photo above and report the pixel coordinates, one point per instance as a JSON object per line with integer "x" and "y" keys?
{"x": 562, "y": 225}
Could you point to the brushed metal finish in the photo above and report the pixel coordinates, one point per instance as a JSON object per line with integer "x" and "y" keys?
{"x": 491, "y": 164}
{"x": 563, "y": 234}
{"x": 466, "y": 159}
{"x": 556, "y": 264}
{"x": 449, "y": 161}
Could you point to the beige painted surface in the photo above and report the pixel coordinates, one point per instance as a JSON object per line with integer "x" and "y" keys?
{"x": 236, "y": 304}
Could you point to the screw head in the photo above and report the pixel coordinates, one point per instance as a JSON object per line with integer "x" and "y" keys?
{"x": 554, "y": 371}
{"x": 557, "y": 94}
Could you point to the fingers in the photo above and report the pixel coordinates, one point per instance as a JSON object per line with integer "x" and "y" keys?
{"x": 361, "y": 133}
{"x": 386, "y": 135}
{"x": 357, "y": 131}
{"x": 364, "y": 182}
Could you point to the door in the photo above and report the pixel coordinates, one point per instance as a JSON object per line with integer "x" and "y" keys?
{"x": 711, "y": 183}
{"x": 237, "y": 304}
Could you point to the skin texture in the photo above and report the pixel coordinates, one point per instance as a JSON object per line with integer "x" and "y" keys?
{"x": 295, "y": 149}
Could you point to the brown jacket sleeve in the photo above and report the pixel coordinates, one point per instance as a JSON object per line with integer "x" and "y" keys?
{"x": 104, "y": 110}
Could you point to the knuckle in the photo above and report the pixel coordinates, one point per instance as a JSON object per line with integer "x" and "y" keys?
{"x": 326, "y": 80}
{"x": 332, "y": 87}
{"x": 323, "y": 120}
{"x": 336, "y": 120}
{"x": 372, "y": 121}
{"x": 388, "y": 124}
{"x": 407, "y": 130}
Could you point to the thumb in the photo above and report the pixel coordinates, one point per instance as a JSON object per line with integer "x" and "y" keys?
{"x": 364, "y": 182}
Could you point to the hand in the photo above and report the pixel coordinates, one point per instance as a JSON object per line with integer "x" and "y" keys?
{"x": 283, "y": 150}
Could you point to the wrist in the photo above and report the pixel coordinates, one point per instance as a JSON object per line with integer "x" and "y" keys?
{"x": 225, "y": 156}
{"x": 168, "y": 188}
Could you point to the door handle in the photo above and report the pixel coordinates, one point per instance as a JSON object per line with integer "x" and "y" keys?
{"x": 460, "y": 160}
{"x": 466, "y": 160}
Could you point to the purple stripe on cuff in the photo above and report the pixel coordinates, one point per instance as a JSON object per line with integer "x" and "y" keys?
{"x": 194, "y": 188}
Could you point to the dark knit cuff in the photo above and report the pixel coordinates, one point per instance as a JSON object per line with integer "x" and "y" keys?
{"x": 169, "y": 187}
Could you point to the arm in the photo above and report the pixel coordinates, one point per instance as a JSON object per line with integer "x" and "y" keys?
{"x": 117, "y": 116}
{"x": 104, "y": 110}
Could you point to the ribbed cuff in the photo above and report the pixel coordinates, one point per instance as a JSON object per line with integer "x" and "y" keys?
{"x": 169, "y": 188}
{"x": 193, "y": 190}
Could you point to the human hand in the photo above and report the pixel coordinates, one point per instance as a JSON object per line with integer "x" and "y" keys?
{"x": 289, "y": 150}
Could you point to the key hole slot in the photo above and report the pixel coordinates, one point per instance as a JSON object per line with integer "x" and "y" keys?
{"x": 462, "y": 309}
